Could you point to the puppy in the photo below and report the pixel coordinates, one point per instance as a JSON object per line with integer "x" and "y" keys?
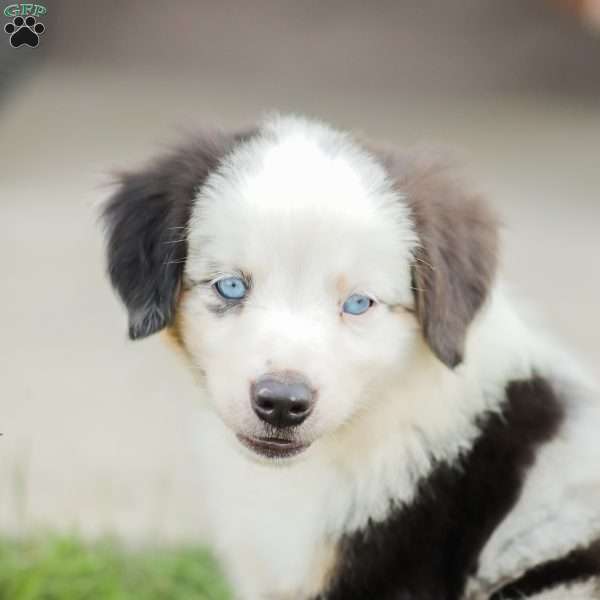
{"x": 381, "y": 422}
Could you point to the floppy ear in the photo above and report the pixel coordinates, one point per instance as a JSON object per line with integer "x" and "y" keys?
{"x": 146, "y": 221}
{"x": 455, "y": 261}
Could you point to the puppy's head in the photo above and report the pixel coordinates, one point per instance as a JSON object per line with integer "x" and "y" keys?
{"x": 298, "y": 271}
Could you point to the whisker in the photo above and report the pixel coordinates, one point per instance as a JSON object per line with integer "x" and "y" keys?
{"x": 424, "y": 262}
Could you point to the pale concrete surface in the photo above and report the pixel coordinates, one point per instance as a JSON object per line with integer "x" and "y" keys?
{"x": 98, "y": 431}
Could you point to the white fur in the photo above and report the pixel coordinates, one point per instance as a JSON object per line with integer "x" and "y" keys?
{"x": 313, "y": 218}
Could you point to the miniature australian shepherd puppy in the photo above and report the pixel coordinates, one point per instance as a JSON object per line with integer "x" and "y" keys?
{"x": 381, "y": 423}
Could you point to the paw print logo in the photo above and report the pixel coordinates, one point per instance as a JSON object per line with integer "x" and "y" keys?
{"x": 24, "y": 31}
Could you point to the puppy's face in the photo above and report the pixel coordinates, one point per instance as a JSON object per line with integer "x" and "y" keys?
{"x": 289, "y": 276}
{"x": 297, "y": 288}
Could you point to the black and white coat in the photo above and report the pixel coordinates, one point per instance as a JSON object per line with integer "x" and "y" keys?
{"x": 453, "y": 452}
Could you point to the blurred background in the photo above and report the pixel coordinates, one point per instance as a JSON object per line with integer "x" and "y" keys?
{"x": 98, "y": 432}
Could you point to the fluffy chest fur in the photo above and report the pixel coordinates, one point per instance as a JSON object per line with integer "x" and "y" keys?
{"x": 460, "y": 527}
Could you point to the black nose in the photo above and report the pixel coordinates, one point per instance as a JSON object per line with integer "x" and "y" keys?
{"x": 282, "y": 399}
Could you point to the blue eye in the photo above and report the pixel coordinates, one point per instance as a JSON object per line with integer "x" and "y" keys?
{"x": 357, "y": 304}
{"x": 231, "y": 288}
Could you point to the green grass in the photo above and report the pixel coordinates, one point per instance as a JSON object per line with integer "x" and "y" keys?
{"x": 65, "y": 568}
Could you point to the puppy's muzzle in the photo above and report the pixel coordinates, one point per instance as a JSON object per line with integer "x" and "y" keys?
{"x": 282, "y": 399}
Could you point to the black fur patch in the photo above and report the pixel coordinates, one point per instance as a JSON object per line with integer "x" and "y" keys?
{"x": 455, "y": 263}
{"x": 146, "y": 221}
{"x": 577, "y": 566}
{"x": 426, "y": 550}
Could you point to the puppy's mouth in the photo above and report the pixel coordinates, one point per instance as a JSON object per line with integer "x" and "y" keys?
{"x": 273, "y": 447}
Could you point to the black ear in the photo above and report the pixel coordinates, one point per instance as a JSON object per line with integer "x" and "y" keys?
{"x": 455, "y": 262}
{"x": 146, "y": 221}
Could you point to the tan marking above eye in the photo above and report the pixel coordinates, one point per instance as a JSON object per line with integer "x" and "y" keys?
{"x": 341, "y": 285}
